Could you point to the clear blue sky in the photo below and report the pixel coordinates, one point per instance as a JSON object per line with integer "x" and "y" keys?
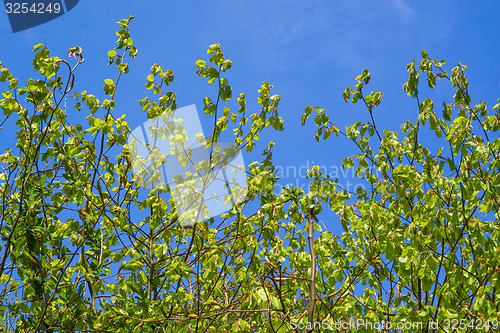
{"x": 309, "y": 50}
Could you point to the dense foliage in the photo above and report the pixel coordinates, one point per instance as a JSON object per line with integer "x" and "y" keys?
{"x": 83, "y": 248}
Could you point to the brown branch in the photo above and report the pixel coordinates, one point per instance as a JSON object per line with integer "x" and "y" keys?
{"x": 312, "y": 291}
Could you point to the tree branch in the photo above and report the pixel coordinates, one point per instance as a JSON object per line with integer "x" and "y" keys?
{"x": 312, "y": 291}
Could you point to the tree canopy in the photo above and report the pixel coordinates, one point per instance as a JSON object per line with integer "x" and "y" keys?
{"x": 85, "y": 248}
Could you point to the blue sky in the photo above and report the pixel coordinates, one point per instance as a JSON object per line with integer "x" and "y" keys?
{"x": 309, "y": 50}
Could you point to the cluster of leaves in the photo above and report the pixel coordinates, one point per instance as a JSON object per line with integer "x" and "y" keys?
{"x": 84, "y": 248}
{"x": 425, "y": 238}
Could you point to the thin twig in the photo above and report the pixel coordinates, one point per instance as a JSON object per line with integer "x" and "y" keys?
{"x": 312, "y": 291}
